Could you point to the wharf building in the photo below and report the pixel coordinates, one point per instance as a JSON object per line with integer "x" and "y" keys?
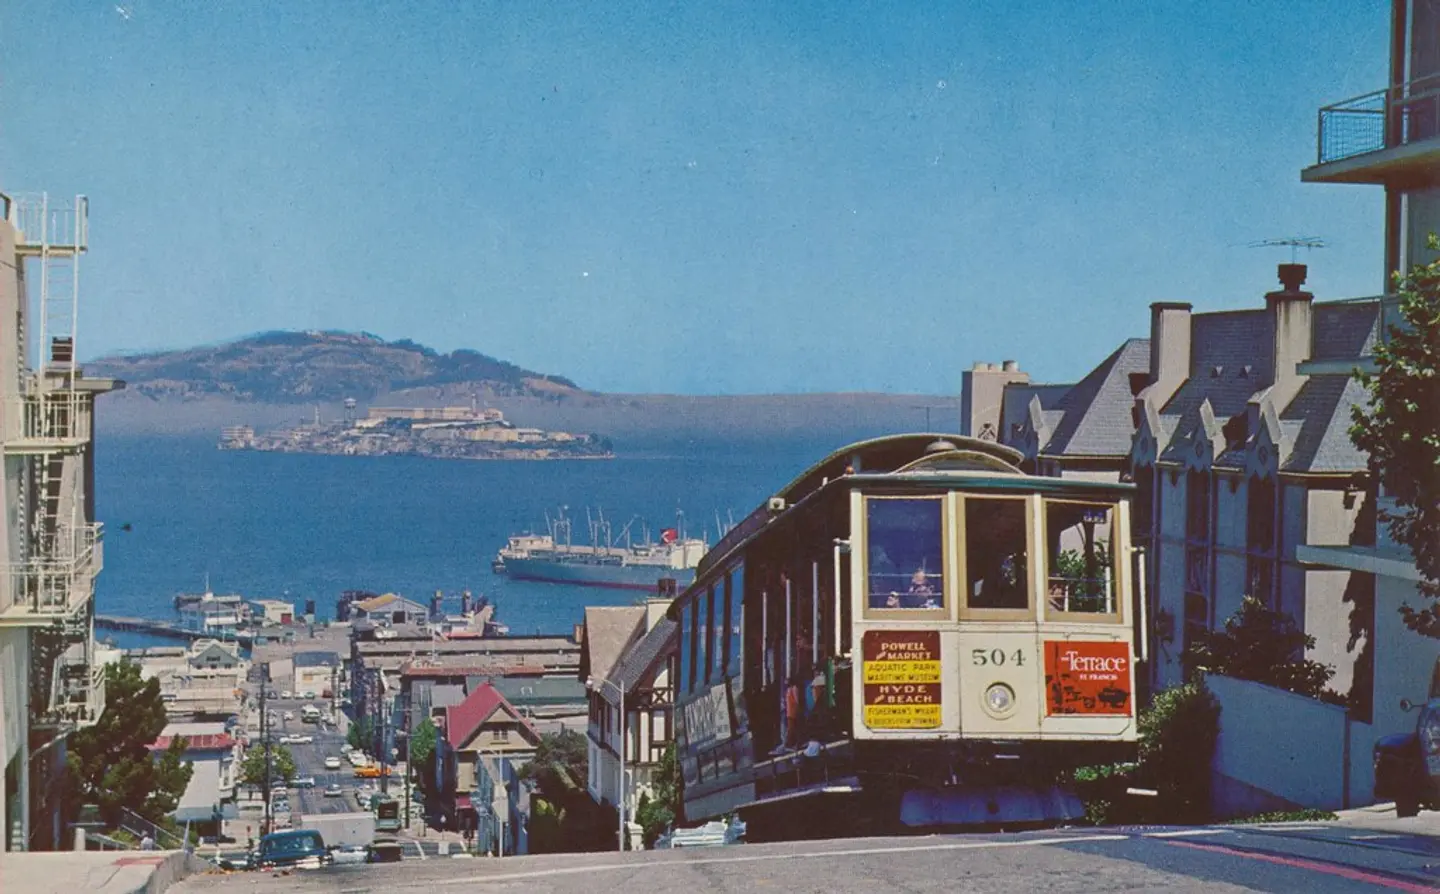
{"x": 50, "y": 544}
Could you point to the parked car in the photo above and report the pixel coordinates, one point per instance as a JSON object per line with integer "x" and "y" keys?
{"x": 304, "y": 782}
{"x": 1407, "y": 765}
{"x": 294, "y": 848}
{"x": 287, "y": 694}
{"x": 332, "y": 763}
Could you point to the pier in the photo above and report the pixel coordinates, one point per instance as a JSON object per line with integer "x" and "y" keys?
{"x": 170, "y": 630}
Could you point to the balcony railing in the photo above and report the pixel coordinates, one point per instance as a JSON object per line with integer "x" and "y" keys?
{"x": 56, "y": 420}
{"x": 55, "y": 584}
{"x": 46, "y": 223}
{"x": 1396, "y": 116}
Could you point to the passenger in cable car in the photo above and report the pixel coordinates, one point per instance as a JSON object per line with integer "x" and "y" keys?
{"x": 920, "y": 594}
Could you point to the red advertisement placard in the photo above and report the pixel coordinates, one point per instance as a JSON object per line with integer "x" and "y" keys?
{"x": 1087, "y": 677}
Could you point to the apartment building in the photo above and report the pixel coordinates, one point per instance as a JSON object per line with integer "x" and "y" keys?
{"x": 50, "y": 544}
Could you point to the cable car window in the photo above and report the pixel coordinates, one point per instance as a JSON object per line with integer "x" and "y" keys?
{"x": 904, "y": 547}
{"x": 995, "y": 554}
{"x": 735, "y": 598}
{"x": 1080, "y": 567}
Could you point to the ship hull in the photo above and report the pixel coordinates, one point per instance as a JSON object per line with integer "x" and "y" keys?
{"x": 617, "y": 577}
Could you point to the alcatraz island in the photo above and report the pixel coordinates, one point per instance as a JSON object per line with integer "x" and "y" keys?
{"x": 437, "y": 432}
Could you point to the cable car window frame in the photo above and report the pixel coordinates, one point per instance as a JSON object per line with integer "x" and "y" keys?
{"x": 1119, "y": 569}
{"x": 965, "y": 611}
{"x": 948, "y": 565}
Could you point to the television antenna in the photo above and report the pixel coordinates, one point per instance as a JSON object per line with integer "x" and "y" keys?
{"x": 1294, "y": 243}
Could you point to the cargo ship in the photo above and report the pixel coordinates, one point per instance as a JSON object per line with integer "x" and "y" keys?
{"x": 554, "y": 558}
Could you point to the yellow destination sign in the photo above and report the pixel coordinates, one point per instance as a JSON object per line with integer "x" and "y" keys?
{"x": 902, "y": 716}
{"x": 902, "y": 672}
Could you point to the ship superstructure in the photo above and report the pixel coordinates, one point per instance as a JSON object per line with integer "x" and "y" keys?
{"x": 607, "y": 560}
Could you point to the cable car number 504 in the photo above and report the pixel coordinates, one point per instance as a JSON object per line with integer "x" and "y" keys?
{"x": 997, "y": 657}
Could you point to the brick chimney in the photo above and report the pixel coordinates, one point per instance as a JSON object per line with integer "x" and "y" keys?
{"x": 1289, "y": 313}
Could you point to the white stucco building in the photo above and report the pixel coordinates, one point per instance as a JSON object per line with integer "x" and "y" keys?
{"x": 50, "y": 545}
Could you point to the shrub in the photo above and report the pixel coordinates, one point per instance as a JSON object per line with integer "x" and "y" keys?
{"x": 1177, "y": 742}
{"x": 1262, "y": 645}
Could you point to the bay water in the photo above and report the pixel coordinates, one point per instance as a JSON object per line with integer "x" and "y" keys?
{"x": 298, "y": 527}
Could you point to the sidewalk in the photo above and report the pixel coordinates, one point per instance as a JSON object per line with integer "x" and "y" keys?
{"x": 1382, "y": 818}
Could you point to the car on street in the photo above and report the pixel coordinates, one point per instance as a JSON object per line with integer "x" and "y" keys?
{"x": 1407, "y": 765}
{"x": 297, "y": 848}
{"x": 333, "y": 791}
{"x": 304, "y": 782}
{"x": 289, "y": 715}
{"x": 297, "y": 739}
{"x": 332, "y": 763}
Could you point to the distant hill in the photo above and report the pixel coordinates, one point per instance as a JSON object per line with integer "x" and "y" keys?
{"x": 309, "y": 367}
{"x": 283, "y": 378}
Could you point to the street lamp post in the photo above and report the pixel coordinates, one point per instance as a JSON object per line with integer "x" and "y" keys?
{"x": 624, "y": 741}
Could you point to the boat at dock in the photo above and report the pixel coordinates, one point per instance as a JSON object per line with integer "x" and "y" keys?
{"x": 615, "y": 562}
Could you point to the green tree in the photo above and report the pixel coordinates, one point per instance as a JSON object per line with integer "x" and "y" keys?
{"x": 361, "y": 734}
{"x": 1400, "y": 432}
{"x": 1263, "y": 645}
{"x": 421, "y": 752}
{"x": 571, "y": 821}
{"x": 658, "y": 808}
{"x": 110, "y": 764}
{"x": 282, "y": 764}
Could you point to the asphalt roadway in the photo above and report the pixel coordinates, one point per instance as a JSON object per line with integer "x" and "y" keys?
{"x": 1316, "y": 858}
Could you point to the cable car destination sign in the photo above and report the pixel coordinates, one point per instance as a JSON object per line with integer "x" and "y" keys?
{"x": 902, "y": 678}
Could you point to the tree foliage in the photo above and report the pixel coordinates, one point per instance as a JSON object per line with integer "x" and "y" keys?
{"x": 1178, "y": 733}
{"x": 420, "y": 752}
{"x": 1400, "y": 431}
{"x": 570, "y": 821}
{"x": 1263, "y": 645}
{"x": 361, "y": 734}
{"x": 659, "y": 807}
{"x": 282, "y": 764}
{"x": 110, "y": 764}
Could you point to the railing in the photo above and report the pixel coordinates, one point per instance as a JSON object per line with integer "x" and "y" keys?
{"x": 45, "y": 222}
{"x": 55, "y": 419}
{"x": 77, "y": 692}
{"x": 1395, "y": 116}
{"x": 58, "y": 581}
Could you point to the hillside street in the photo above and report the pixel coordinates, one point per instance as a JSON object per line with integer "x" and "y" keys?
{"x": 1317, "y": 858}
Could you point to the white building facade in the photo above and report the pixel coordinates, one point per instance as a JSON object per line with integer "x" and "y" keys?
{"x": 50, "y": 545}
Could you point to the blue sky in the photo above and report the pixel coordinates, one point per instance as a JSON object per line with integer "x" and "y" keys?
{"x": 697, "y": 197}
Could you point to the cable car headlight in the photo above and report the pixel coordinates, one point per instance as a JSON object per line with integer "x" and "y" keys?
{"x": 999, "y": 699}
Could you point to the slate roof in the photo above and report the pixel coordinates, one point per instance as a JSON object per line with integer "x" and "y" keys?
{"x": 1345, "y": 330}
{"x": 1014, "y": 406}
{"x": 462, "y": 720}
{"x": 1318, "y": 426}
{"x": 608, "y": 631}
{"x": 1097, "y": 417}
{"x": 1229, "y": 361}
{"x": 638, "y": 666}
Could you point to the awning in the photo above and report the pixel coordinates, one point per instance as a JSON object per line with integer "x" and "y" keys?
{"x": 462, "y": 802}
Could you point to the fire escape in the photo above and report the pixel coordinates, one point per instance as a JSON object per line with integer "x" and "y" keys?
{"x": 54, "y": 549}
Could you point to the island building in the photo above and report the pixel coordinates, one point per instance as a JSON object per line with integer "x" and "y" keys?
{"x": 50, "y": 681}
{"x": 272, "y": 611}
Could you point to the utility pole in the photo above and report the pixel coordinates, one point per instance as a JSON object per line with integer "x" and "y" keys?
{"x": 265, "y": 743}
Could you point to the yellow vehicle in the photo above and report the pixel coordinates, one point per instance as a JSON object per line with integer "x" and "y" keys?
{"x": 370, "y": 771}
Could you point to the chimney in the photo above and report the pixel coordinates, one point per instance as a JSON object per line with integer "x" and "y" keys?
{"x": 1169, "y": 351}
{"x": 1289, "y": 315}
{"x": 982, "y": 397}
